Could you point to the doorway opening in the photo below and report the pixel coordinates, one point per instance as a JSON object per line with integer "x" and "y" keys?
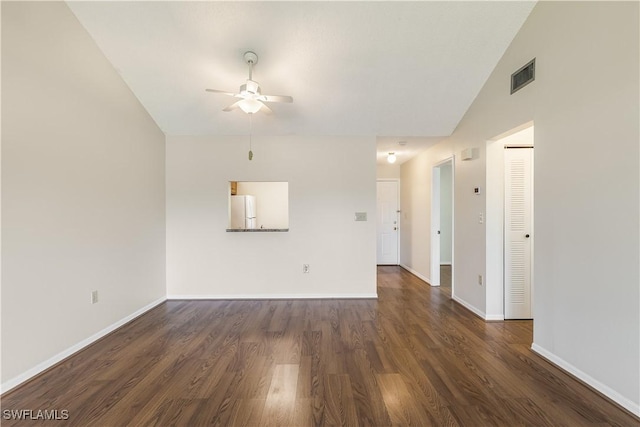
{"x": 509, "y": 279}
{"x": 442, "y": 208}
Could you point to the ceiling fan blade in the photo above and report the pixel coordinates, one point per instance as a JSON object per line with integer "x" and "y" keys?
{"x": 220, "y": 91}
{"x": 276, "y": 98}
{"x": 232, "y": 107}
{"x": 265, "y": 109}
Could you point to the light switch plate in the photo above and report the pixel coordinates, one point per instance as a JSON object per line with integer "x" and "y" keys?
{"x": 361, "y": 216}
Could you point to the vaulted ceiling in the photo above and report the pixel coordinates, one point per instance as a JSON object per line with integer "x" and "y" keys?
{"x": 393, "y": 70}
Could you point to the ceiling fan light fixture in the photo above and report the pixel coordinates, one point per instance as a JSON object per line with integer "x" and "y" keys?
{"x": 251, "y": 98}
{"x": 250, "y": 106}
{"x": 391, "y": 157}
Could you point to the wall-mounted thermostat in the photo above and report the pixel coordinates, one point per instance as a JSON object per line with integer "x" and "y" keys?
{"x": 476, "y": 190}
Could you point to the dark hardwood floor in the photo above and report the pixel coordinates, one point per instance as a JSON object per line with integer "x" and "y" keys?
{"x": 445, "y": 280}
{"x": 413, "y": 357}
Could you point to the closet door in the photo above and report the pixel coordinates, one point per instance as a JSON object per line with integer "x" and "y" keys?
{"x": 518, "y": 232}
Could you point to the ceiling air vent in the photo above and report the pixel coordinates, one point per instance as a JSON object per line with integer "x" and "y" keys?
{"x": 523, "y": 76}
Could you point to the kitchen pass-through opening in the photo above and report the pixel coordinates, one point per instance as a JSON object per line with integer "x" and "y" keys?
{"x": 258, "y": 205}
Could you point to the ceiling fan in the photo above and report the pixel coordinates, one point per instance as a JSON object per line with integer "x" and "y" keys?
{"x": 251, "y": 98}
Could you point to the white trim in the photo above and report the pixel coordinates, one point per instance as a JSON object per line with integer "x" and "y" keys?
{"x": 453, "y": 223}
{"x": 477, "y": 311}
{"x": 270, "y": 296}
{"x": 626, "y": 403}
{"x": 418, "y": 275}
{"x": 434, "y": 245}
{"x": 434, "y": 225}
{"x": 469, "y": 307}
{"x": 15, "y": 381}
{"x": 444, "y": 161}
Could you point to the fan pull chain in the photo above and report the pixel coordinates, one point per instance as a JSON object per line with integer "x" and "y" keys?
{"x": 250, "y": 135}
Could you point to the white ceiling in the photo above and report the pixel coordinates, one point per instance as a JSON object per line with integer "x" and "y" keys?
{"x": 411, "y": 146}
{"x": 393, "y": 70}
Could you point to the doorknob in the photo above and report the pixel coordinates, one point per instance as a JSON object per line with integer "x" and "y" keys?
{"x": 526, "y": 235}
{"x": 395, "y": 228}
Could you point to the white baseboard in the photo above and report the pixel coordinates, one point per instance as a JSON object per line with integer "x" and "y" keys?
{"x": 469, "y": 307}
{"x": 14, "y": 382}
{"x": 477, "y": 311}
{"x": 418, "y": 275}
{"x": 628, "y": 404}
{"x": 271, "y": 296}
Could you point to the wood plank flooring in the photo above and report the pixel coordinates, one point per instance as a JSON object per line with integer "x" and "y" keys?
{"x": 445, "y": 280}
{"x": 413, "y": 357}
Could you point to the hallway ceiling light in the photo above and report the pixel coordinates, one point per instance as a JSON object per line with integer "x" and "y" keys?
{"x": 391, "y": 157}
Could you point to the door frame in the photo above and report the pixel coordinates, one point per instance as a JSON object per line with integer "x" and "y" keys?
{"x": 435, "y": 225}
{"x": 494, "y": 223}
{"x": 398, "y": 234}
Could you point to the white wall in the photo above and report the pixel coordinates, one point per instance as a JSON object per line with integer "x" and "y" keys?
{"x": 446, "y": 219}
{"x": 388, "y": 171}
{"x": 203, "y": 260}
{"x": 272, "y": 202}
{"x": 584, "y": 104}
{"x": 82, "y": 191}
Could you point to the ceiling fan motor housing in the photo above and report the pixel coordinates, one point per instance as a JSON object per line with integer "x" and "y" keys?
{"x": 250, "y": 88}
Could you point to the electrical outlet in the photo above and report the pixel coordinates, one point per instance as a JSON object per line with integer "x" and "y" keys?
{"x": 94, "y": 297}
{"x": 480, "y": 279}
{"x": 305, "y": 268}
{"x": 481, "y": 218}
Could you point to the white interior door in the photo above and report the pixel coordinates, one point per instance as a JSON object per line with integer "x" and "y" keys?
{"x": 518, "y": 233}
{"x": 387, "y": 225}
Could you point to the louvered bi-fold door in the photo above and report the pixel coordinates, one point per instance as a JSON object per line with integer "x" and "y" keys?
{"x": 518, "y": 233}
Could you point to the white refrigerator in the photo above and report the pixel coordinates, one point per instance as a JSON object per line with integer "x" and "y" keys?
{"x": 243, "y": 212}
